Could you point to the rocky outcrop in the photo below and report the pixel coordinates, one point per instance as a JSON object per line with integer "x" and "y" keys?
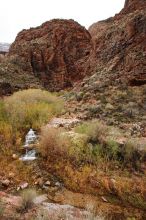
{"x": 55, "y": 52}
{"x": 119, "y": 45}
{"x": 133, "y": 5}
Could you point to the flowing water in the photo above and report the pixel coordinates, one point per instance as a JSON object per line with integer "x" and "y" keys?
{"x": 29, "y": 155}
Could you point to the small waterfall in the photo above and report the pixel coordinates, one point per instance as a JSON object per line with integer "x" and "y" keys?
{"x": 30, "y": 139}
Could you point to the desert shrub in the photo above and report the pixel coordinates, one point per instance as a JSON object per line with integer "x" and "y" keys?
{"x": 94, "y": 110}
{"x": 108, "y": 151}
{"x": 95, "y": 130}
{"x": 31, "y": 108}
{"x": 79, "y": 96}
{"x": 80, "y": 150}
{"x": 53, "y": 143}
{"x": 90, "y": 146}
{"x": 27, "y": 198}
{"x": 127, "y": 155}
{"x": 128, "y": 150}
{"x": 3, "y": 113}
{"x": 2, "y": 208}
{"x": 104, "y": 146}
{"x": 6, "y": 133}
{"x": 97, "y": 152}
{"x": 131, "y": 155}
{"x": 137, "y": 200}
{"x": 100, "y": 146}
{"x": 6, "y": 138}
{"x": 111, "y": 150}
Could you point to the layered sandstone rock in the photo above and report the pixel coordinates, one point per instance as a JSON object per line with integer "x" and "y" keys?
{"x": 55, "y": 52}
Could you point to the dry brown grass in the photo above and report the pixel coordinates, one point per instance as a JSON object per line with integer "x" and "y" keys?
{"x": 53, "y": 143}
{"x": 6, "y": 132}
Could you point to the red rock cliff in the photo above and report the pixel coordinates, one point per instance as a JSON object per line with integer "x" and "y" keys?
{"x": 120, "y": 44}
{"x": 55, "y": 52}
{"x": 61, "y": 52}
{"x": 132, "y": 5}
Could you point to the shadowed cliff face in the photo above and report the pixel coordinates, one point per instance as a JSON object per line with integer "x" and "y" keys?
{"x": 55, "y": 52}
{"x": 119, "y": 44}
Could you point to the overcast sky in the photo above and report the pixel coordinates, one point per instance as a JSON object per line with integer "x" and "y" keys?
{"x": 16, "y": 15}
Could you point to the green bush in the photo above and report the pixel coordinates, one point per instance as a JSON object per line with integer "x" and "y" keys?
{"x": 131, "y": 155}
{"x": 111, "y": 150}
{"x": 31, "y": 108}
{"x": 128, "y": 150}
{"x": 80, "y": 149}
{"x": 95, "y": 130}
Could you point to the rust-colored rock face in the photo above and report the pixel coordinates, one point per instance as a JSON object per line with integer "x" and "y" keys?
{"x": 132, "y": 5}
{"x": 55, "y": 52}
{"x": 120, "y": 44}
